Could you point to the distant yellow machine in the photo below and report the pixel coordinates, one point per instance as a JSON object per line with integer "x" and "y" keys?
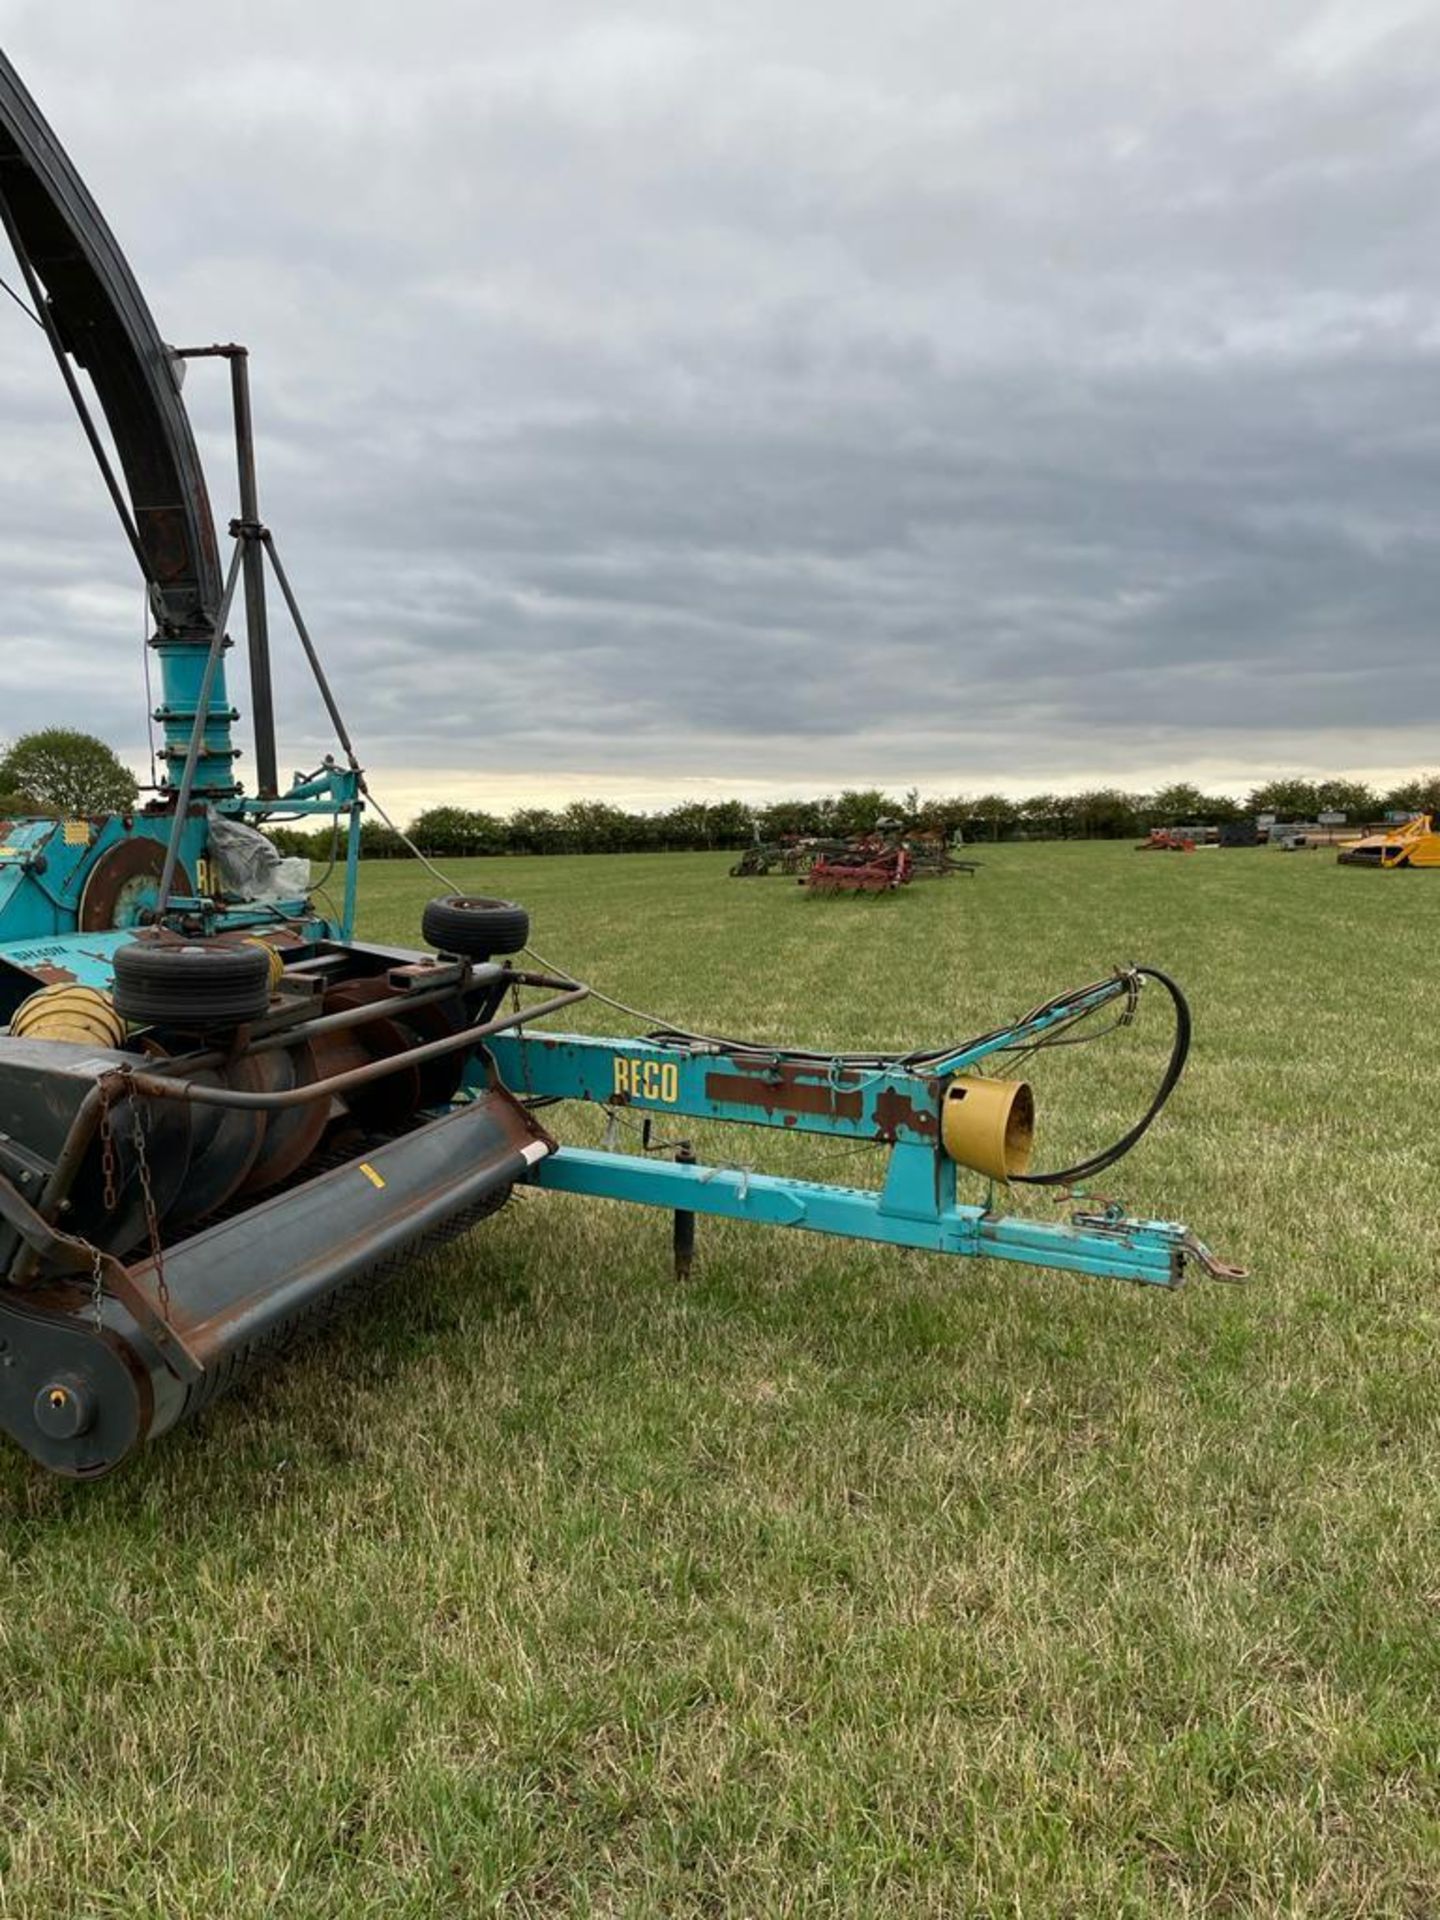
{"x": 1415, "y": 844}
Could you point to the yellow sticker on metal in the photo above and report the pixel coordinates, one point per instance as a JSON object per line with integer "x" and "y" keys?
{"x": 77, "y": 833}
{"x": 370, "y": 1174}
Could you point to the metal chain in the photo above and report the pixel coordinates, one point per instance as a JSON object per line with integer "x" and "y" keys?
{"x": 107, "y": 1150}
{"x": 97, "y": 1289}
{"x": 112, "y": 1193}
{"x": 152, "y": 1218}
{"x": 520, "y": 1036}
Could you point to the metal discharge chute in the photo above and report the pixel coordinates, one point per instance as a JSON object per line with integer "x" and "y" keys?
{"x": 221, "y": 1113}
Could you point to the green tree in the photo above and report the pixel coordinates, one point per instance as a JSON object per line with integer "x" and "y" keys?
{"x": 69, "y": 771}
{"x": 1220, "y": 807}
{"x": 791, "y": 816}
{"x": 995, "y": 811}
{"x": 1288, "y": 799}
{"x": 1044, "y": 815}
{"x": 593, "y": 826}
{"x": 308, "y": 846}
{"x": 728, "y": 823}
{"x": 1182, "y": 803}
{"x": 534, "y": 830}
{"x": 377, "y": 842}
{"x": 1350, "y": 797}
{"x": 857, "y": 809}
{"x": 1105, "y": 813}
{"x": 457, "y": 831}
{"x": 942, "y": 815}
{"x": 1421, "y": 795}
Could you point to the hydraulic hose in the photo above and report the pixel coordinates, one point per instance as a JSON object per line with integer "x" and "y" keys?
{"x": 1179, "y": 1053}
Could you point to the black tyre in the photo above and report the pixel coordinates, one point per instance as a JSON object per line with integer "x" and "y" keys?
{"x": 192, "y": 988}
{"x": 475, "y": 928}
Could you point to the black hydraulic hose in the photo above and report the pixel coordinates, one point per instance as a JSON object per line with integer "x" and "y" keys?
{"x": 919, "y": 1058}
{"x": 1179, "y": 1053}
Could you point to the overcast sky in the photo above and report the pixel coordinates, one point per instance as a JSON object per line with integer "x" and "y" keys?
{"x": 776, "y": 395}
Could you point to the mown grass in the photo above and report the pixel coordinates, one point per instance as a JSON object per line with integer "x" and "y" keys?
{"x": 836, "y": 1581}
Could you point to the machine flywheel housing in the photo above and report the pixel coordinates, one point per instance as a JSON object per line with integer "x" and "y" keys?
{"x": 123, "y": 883}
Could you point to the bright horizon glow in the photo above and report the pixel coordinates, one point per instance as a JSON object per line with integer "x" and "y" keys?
{"x": 404, "y": 793}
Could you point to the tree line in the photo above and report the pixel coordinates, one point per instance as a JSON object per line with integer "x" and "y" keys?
{"x": 59, "y": 770}
{"x": 1103, "y": 813}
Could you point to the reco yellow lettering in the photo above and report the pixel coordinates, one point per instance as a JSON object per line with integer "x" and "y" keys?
{"x": 657, "y": 1080}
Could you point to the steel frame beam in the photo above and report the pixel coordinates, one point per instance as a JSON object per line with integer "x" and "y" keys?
{"x": 1152, "y": 1252}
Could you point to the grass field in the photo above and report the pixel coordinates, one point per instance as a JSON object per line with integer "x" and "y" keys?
{"x": 836, "y": 1581}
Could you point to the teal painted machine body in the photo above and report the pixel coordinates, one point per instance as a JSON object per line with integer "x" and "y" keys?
{"x": 898, "y": 1109}
{"x": 182, "y": 671}
{"x": 44, "y": 865}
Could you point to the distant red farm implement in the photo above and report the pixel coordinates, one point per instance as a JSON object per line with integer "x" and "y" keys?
{"x": 871, "y": 867}
{"x": 1166, "y": 840}
{"x": 881, "y": 861}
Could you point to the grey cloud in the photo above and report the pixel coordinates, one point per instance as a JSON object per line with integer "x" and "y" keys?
{"x": 932, "y": 392}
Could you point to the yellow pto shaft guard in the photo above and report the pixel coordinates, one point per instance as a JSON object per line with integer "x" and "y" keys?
{"x": 989, "y": 1125}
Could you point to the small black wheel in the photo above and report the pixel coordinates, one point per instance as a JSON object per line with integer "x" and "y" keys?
{"x": 474, "y": 927}
{"x": 192, "y": 988}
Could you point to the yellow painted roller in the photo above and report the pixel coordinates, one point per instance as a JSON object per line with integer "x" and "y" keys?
{"x": 989, "y": 1125}
{"x": 83, "y": 1015}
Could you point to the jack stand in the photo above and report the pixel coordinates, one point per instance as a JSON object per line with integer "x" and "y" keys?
{"x": 684, "y": 1234}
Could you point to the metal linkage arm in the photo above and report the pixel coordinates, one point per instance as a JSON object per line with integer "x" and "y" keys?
{"x": 1152, "y": 1252}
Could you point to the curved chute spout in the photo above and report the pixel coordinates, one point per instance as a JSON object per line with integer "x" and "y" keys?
{"x": 98, "y": 318}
